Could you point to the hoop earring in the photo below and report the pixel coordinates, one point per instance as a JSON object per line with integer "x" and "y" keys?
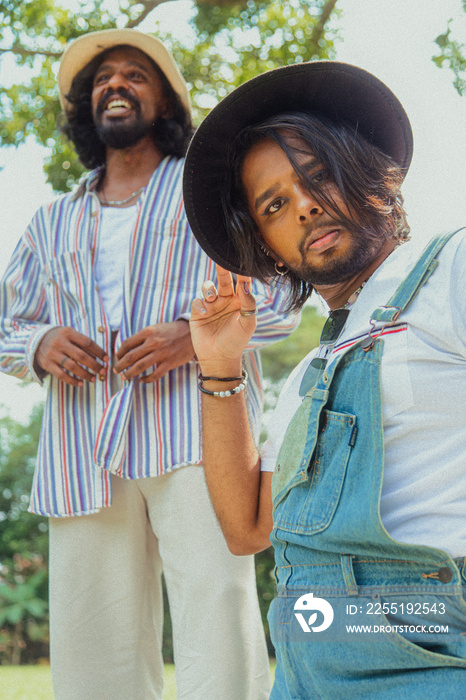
{"x": 281, "y": 270}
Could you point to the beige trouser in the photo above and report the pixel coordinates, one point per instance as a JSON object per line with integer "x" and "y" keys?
{"x": 106, "y": 599}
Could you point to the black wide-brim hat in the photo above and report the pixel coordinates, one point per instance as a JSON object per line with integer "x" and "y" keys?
{"x": 341, "y": 92}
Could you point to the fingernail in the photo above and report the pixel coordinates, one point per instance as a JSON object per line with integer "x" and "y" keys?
{"x": 246, "y": 288}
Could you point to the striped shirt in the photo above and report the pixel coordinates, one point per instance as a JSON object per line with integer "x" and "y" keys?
{"x": 144, "y": 429}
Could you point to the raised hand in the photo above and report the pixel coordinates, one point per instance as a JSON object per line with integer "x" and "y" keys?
{"x": 71, "y": 356}
{"x": 163, "y": 347}
{"x": 223, "y": 322}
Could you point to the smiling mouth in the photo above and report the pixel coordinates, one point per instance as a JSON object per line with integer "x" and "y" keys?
{"x": 117, "y": 106}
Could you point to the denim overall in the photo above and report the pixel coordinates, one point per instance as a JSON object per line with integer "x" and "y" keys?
{"x": 333, "y": 553}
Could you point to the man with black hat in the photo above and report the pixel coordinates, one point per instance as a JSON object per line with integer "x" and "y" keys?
{"x": 96, "y": 298}
{"x": 366, "y": 506}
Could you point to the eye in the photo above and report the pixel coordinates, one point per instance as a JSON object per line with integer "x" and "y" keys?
{"x": 319, "y": 177}
{"x": 136, "y": 76}
{"x": 100, "y": 78}
{"x": 274, "y": 206}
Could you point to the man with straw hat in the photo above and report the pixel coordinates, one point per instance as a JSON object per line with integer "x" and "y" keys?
{"x": 97, "y": 298}
{"x": 366, "y": 506}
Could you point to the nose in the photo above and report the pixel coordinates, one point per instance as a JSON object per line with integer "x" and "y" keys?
{"x": 307, "y": 205}
{"x": 117, "y": 80}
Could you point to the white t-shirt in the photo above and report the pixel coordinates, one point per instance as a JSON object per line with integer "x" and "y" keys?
{"x": 117, "y": 224}
{"x": 423, "y": 376}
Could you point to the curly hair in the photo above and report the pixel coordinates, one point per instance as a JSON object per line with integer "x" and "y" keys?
{"x": 171, "y": 135}
{"x": 367, "y": 179}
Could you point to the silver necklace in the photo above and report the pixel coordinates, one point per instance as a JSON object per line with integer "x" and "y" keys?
{"x": 121, "y": 202}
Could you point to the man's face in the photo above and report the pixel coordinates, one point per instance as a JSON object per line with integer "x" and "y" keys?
{"x": 127, "y": 97}
{"x": 310, "y": 240}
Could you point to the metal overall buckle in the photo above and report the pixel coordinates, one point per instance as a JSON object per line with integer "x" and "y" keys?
{"x": 368, "y": 343}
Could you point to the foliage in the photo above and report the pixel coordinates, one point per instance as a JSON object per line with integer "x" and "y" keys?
{"x": 23, "y": 547}
{"x": 20, "y": 532}
{"x": 280, "y": 358}
{"x": 23, "y": 608}
{"x": 452, "y": 54}
{"x": 233, "y": 40}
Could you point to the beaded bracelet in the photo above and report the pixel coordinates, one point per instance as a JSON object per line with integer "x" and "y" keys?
{"x": 228, "y": 392}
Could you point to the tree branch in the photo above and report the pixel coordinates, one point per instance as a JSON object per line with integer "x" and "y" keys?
{"x": 23, "y": 51}
{"x": 149, "y": 5}
{"x": 319, "y": 28}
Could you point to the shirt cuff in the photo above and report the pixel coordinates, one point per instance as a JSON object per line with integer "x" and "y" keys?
{"x": 37, "y": 374}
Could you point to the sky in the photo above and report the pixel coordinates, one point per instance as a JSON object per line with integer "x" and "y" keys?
{"x": 394, "y": 39}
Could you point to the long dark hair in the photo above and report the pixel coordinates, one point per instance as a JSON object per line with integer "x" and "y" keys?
{"x": 368, "y": 181}
{"x": 171, "y": 135}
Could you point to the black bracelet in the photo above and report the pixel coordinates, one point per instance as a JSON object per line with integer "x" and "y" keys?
{"x": 227, "y": 392}
{"x": 221, "y": 379}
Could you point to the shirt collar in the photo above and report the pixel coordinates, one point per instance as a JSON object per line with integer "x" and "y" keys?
{"x": 88, "y": 183}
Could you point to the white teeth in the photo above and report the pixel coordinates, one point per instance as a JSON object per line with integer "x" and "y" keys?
{"x": 117, "y": 104}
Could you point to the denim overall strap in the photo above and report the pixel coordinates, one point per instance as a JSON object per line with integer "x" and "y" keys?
{"x": 418, "y": 276}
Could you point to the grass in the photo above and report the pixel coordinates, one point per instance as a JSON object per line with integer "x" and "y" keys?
{"x": 35, "y": 682}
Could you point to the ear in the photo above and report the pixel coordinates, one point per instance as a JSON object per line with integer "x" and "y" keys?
{"x": 268, "y": 251}
{"x": 166, "y": 110}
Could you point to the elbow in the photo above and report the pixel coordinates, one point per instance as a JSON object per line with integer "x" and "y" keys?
{"x": 247, "y": 544}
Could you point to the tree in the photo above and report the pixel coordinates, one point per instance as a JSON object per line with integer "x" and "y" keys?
{"x": 452, "y": 54}
{"x": 23, "y": 546}
{"x": 233, "y": 40}
{"x": 23, "y": 608}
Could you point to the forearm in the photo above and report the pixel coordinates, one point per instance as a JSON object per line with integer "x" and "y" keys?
{"x": 240, "y": 493}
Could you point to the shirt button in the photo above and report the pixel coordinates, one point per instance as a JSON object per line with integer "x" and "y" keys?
{"x": 101, "y": 329}
{"x": 445, "y": 574}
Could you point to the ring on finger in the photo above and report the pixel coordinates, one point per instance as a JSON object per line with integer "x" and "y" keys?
{"x": 62, "y": 363}
{"x": 248, "y": 313}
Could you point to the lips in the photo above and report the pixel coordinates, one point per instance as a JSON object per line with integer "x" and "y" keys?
{"x": 323, "y": 238}
{"x": 116, "y": 105}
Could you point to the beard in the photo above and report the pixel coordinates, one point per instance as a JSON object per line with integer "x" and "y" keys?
{"x": 118, "y": 133}
{"x": 339, "y": 268}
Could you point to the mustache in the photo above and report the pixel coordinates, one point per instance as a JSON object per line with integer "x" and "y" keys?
{"x": 327, "y": 223}
{"x": 119, "y": 92}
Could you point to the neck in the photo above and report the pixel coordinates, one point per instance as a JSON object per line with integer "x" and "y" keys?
{"x": 128, "y": 169}
{"x": 336, "y": 295}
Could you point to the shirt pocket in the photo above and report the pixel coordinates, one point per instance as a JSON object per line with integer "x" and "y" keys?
{"x": 167, "y": 271}
{"x": 68, "y": 284}
{"x": 309, "y": 504}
